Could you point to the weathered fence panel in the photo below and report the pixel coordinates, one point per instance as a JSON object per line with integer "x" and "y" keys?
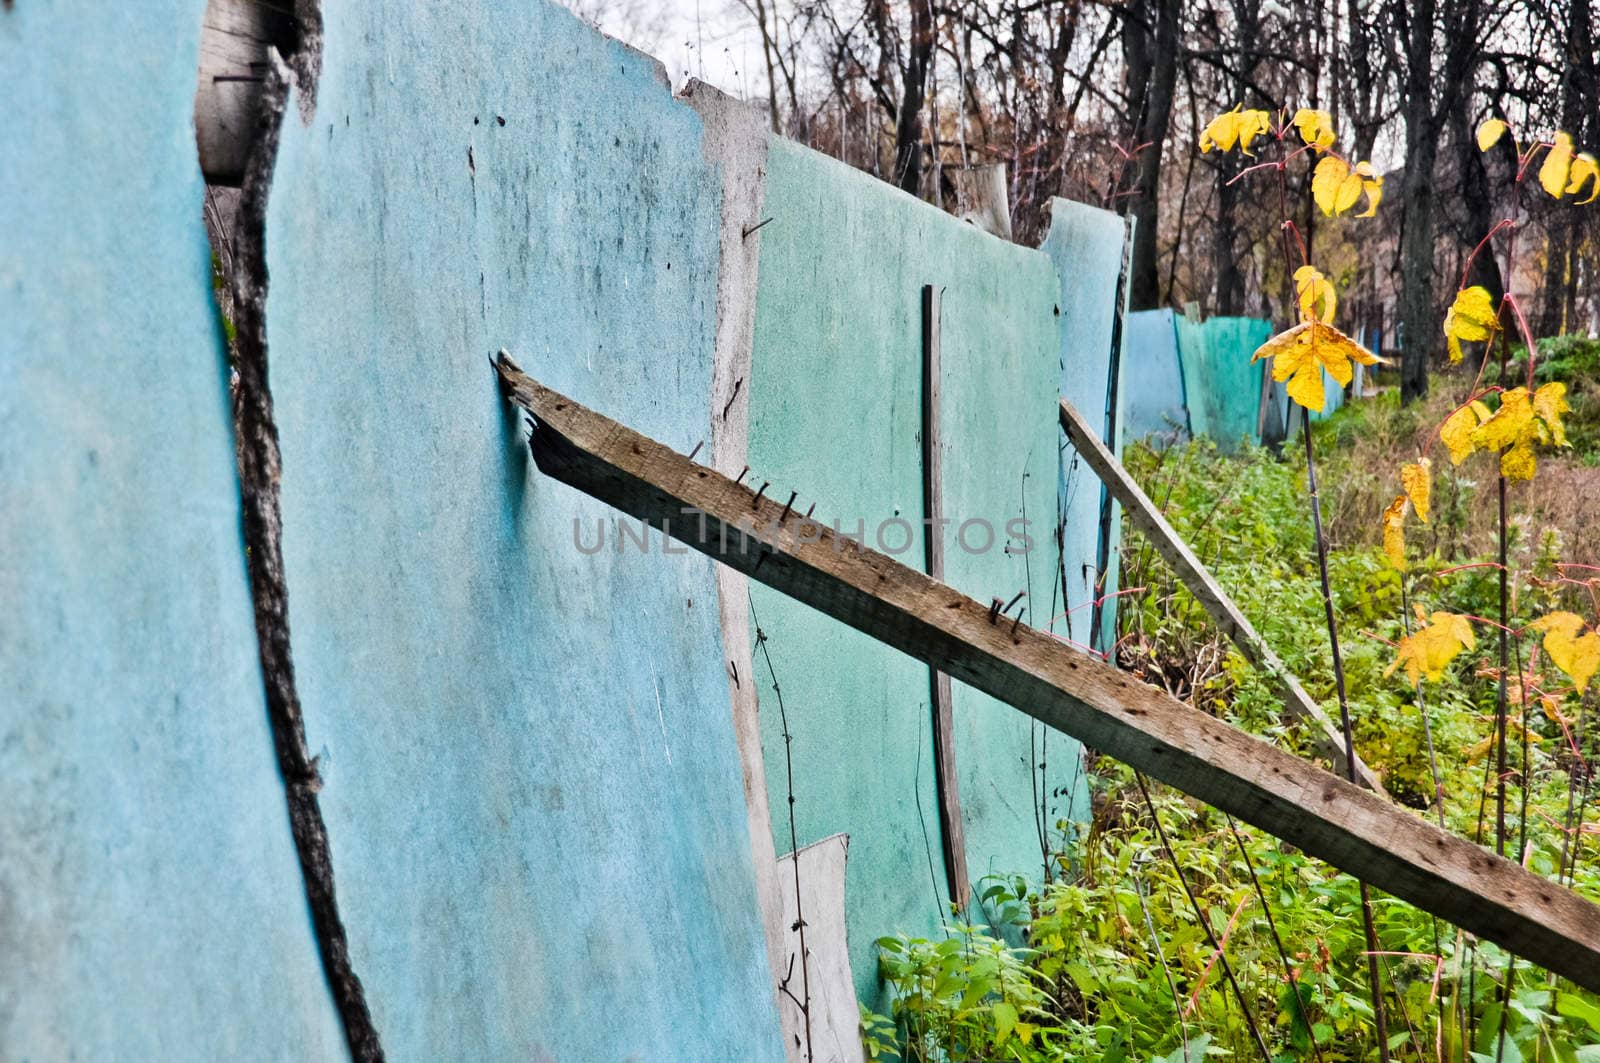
{"x": 1221, "y": 383}
{"x": 151, "y": 904}
{"x": 1152, "y": 376}
{"x": 1087, "y": 246}
{"x": 531, "y": 782}
{"x": 836, "y": 406}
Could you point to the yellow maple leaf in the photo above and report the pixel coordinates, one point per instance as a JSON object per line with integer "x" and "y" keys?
{"x": 1335, "y": 186}
{"x": 1372, "y": 185}
{"x": 1316, "y": 128}
{"x": 1489, "y": 133}
{"x": 1584, "y": 168}
{"x": 1508, "y": 422}
{"x": 1576, "y": 654}
{"x": 1417, "y": 479}
{"x": 1557, "y": 164}
{"x": 1430, "y": 649}
{"x": 1522, "y": 423}
{"x": 1394, "y": 532}
{"x": 1520, "y": 462}
{"x": 1300, "y": 354}
{"x": 1317, "y": 297}
{"x": 1237, "y": 126}
{"x": 1457, "y": 430}
{"x": 1471, "y": 317}
{"x": 1550, "y": 402}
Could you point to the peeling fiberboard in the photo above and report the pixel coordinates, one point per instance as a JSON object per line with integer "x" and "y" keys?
{"x": 531, "y": 783}
{"x": 1223, "y": 385}
{"x": 836, "y": 414}
{"x": 151, "y": 904}
{"x": 1086, "y": 244}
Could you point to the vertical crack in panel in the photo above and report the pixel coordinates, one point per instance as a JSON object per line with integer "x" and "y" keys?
{"x": 259, "y": 475}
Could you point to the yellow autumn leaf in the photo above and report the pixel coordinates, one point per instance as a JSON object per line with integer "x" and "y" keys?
{"x": 1317, "y": 297}
{"x": 1584, "y": 168}
{"x": 1557, "y": 164}
{"x": 1508, "y": 422}
{"x": 1550, "y": 402}
{"x": 1335, "y": 186}
{"x": 1300, "y": 354}
{"x": 1520, "y": 462}
{"x": 1417, "y": 479}
{"x": 1471, "y": 317}
{"x": 1316, "y": 128}
{"x": 1575, "y": 650}
{"x": 1394, "y": 532}
{"x": 1237, "y": 126}
{"x": 1457, "y": 430}
{"x": 1430, "y": 649}
{"x": 1372, "y": 185}
{"x": 1489, "y": 133}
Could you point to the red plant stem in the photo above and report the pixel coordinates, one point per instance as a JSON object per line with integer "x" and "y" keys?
{"x": 1463, "y": 568}
{"x": 1466, "y": 268}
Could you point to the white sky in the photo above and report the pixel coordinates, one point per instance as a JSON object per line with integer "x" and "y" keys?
{"x": 713, "y": 40}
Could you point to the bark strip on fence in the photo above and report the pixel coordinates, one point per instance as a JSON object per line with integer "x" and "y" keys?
{"x": 1351, "y": 828}
{"x": 260, "y": 469}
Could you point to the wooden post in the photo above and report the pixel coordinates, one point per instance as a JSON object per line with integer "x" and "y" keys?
{"x": 234, "y": 38}
{"x": 982, "y": 198}
{"x": 1138, "y": 508}
{"x": 944, "y": 740}
{"x": 1351, "y": 828}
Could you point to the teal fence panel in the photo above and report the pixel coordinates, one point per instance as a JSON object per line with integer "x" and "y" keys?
{"x": 1222, "y": 384}
{"x": 1086, "y": 245}
{"x": 835, "y": 413}
{"x": 531, "y": 782}
{"x": 151, "y": 904}
{"x": 1152, "y": 376}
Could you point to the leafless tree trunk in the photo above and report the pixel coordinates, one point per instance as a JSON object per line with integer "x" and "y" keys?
{"x": 1416, "y": 238}
{"x": 908, "y": 128}
{"x": 1150, "y": 47}
{"x": 1558, "y": 292}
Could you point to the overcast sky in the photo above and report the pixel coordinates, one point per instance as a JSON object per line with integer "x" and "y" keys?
{"x": 713, "y": 40}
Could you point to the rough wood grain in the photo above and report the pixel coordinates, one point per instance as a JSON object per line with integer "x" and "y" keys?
{"x": 952, "y": 834}
{"x": 234, "y": 38}
{"x": 1223, "y": 612}
{"x": 1351, "y": 828}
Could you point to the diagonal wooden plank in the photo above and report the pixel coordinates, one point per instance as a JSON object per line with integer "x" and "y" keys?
{"x": 1144, "y": 514}
{"x": 1351, "y": 828}
{"x": 944, "y": 740}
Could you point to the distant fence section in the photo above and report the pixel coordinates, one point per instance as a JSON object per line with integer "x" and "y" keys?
{"x": 1191, "y": 378}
